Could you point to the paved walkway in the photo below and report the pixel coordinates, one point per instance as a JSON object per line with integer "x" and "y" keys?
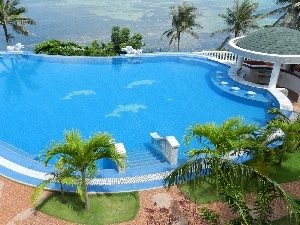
{"x": 157, "y": 206}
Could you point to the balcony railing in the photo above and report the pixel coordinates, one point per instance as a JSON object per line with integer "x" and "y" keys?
{"x": 223, "y": 56}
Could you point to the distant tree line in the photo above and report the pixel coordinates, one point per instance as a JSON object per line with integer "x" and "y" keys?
{"x": 119, "y": 39}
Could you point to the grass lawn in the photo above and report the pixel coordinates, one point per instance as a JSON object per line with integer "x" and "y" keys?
{"x": 289, "y": 170}
{"x": 105, "y": 208}
{"x": 283, "y": 221}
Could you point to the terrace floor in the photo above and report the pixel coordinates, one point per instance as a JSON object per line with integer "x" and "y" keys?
{"x": 156, "y": 206}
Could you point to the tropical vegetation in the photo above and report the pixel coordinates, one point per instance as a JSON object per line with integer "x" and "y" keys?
{"x": 212, "y": 163}
{"x": 80, "y": 156}
{"x": 289, "y": 14}
{"x": 119, "y": 39}
{"x": 12, "y": 16}
{"x": 285, "y": 132}
{"x": 183, "y": 21}
{"x": 239, "y": 19}
{"x": 63, "y": 175}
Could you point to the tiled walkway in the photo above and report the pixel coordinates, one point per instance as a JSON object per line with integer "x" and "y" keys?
{"x": 156, "y": 206}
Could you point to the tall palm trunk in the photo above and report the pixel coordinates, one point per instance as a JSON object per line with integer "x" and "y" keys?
{"x": 84, "y": 190}
{"x": 280, "y": 157}
{"x": 178, "y": 41}
{"x": 237, "y": 32}
{"x": 6, "y": 34}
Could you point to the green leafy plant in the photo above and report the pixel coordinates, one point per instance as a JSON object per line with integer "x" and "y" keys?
{"x": 210, "y": 164}
{"x": 288, "y": 14}
{"x": 183, "y": 21}
{"x": 56, "y": 47}
{"x": 119, "y": 39}
{"x": 210, "y": 216}
{"x": 282, "y": 129}
{"x": 80, "y": 156}
{"x": 240, "y": 19}
{"x": 63, "y": 175}
{"x": 12, "y": 16}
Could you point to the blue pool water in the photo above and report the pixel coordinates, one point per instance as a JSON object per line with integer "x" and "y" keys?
{"x": 41, "y": 96}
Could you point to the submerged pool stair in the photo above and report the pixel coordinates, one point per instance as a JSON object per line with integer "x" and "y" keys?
{"x": 146, "y": 169}
{"x": 140, "y": 158}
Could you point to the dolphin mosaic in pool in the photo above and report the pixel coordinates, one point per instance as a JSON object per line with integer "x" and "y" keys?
{"x": 140, "y": 82}
{"x": 126, "y": 108}
{"x": 75, "y": 93}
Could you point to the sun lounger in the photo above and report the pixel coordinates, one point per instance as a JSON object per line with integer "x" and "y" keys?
{"x": 131, "y": 51}
{"x": 15, "y": 48}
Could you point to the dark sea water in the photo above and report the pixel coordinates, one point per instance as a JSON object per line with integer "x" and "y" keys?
{"x": 83, "y": 21}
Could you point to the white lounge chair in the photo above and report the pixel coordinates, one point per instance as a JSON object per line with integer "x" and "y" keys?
{"x": 130, "y": 51}
{"x": 10, "y": 48}
{"x": 15, "y": 48}
{"x": 18, "y": 47}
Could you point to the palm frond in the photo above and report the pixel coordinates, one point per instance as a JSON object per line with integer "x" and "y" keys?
{"x": 183, "y": 21}
{"x": 39, "y": 190}
{"x": 224, "y": 173}
{"x": 280, "y": 115}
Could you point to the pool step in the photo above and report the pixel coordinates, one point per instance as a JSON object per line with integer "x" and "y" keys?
{"x": 143, "y": 158}
{"x": 139, "y": 164}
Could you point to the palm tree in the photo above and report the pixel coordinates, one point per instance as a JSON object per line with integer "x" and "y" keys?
{"x": 183, "y": 21}
{"x": 231, "y": 137}
{"x": 10, "y": 15}
{"x": 232, "y": 180}
{"x": 80, "y": 155}
{"x": 240, "y": 19}
{"x": 289, "y": 14}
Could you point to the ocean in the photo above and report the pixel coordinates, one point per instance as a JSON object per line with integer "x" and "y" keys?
{"x": 85, "y": 21}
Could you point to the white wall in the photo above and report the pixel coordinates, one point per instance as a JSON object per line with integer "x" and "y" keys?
{"x": 289, "y": 81}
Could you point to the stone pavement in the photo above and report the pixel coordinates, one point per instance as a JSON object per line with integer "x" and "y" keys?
{"x": 157, "y": 206}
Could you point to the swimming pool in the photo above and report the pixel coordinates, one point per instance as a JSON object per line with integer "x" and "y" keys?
{"x": 41, "y": 96}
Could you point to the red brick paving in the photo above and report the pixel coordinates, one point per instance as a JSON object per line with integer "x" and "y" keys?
{"x": 16, "y": 203}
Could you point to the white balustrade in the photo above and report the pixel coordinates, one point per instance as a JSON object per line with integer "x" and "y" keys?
{"x": 167, "y": 146}
{"x": 122, "y": 151}
{"x": 220, "y": 55}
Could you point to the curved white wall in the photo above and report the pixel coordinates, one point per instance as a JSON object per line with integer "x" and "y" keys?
{"x": 289, "y": 81}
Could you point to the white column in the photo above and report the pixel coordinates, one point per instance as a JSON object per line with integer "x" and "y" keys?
{"x": 239, "y": 63}
{"x": 122, "y": 151}
{"x": 286, "y": 66}
{"x": 274, "y": 75}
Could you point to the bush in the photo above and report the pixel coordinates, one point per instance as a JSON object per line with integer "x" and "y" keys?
{"x": 55, "y": 47}
{"x": 210, "y": 216}
{"x": 119, "y": 39}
